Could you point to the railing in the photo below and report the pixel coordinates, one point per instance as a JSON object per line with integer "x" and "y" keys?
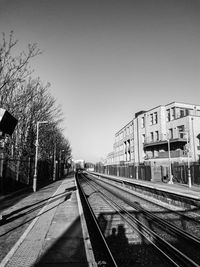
{"x": 165, "y": 154}
{"x": 162, "y": 138}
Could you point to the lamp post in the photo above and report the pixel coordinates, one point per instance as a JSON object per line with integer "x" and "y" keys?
{"x": 188, "y": 159}
{"x": 169, "y": 157}
{"x": 36, "y": 156}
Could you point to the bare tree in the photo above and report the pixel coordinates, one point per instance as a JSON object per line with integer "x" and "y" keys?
{"x": 13, "y": 69}
{"x": 29, "y": 101}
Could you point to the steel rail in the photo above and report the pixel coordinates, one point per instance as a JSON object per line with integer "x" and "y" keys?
{"x": 119, "y": 182}
{"x": 171, "y": 227}
{"x": 170, "y": 249}
{"x": 112, "y": 260}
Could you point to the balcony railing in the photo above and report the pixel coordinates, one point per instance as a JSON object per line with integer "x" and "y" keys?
{"x": 162, "y": 140}
{"x": 165, "y": 154}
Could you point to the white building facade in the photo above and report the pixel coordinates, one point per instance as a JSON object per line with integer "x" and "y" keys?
{"x": 152, "y": 134}
{"x": 124, "y": 146}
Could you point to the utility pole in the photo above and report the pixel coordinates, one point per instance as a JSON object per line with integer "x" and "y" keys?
{"x": 188, "y": 157}
{"x": 169, "y": 159}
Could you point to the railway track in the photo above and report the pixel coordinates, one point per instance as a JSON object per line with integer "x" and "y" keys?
{"x": 186, "y": 219}
{"x": 134, "y": 235}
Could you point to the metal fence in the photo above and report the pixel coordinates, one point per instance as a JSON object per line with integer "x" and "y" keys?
{"x": 18, "y": 173}
{"x": 141, "y": 172}
{"x": 153, "y": 173}
{"x": 180, "y": 173}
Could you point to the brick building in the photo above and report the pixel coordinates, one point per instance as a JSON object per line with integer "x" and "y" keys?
{"x": 151, "y": 134}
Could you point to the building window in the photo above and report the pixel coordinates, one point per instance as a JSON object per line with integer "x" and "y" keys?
{"x": 187, "y": 112}
{"x": 143, "y": 138}
{"x": 173, "y": 114}
{"x": 155, "y": 117}
{"x": 155, "y": 154}
{"x": 128, "y": 145}
{"x": 182, "y": 113}
{"x": 143, "y": 122}
{"x": 157, "y": 135}
{"x": 125, "y": 147}
{"x": 181, "y": 130}
{"x": 171, "y": 133}
{"x": 168, "y": 114}
{"x": 198, "y": 137}
{"x": 152, "y": 137}
{"x": 151, "y": 119}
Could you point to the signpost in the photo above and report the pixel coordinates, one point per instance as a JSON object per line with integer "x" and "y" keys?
{"x": 7, "y": 126}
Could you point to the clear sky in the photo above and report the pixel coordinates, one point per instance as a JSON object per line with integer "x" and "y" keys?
{"x": 108, "y": 59}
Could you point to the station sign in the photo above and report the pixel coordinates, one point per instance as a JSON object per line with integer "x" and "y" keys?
{"x": 7, "y": 122}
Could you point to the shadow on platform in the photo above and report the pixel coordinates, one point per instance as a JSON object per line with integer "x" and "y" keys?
{"x": 68, "y": 250}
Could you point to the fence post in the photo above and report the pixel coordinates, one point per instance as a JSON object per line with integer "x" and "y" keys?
{"x": 29, "y": 167}
{"x": 17, "y": 170}
{"x": 1, "y": 171}
{"x": 137, "y": 172}
{"x": 192, "y": 173}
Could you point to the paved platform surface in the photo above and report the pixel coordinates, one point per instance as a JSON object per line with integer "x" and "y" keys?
{"x": 57, "y": 236}
{"x": 176, "y": 188}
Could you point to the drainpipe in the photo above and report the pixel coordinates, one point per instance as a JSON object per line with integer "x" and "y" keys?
{"x": 194, "y": 147}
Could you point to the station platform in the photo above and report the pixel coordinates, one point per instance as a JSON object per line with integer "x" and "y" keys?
{"x": 57, "y": 236}
{"x": 182, "y": 190}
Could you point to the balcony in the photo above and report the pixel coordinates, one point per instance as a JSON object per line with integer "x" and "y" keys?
{"x": 148, "y": 142}
{"x": 173, "y": 154}
{"x": 165, "y": 154}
